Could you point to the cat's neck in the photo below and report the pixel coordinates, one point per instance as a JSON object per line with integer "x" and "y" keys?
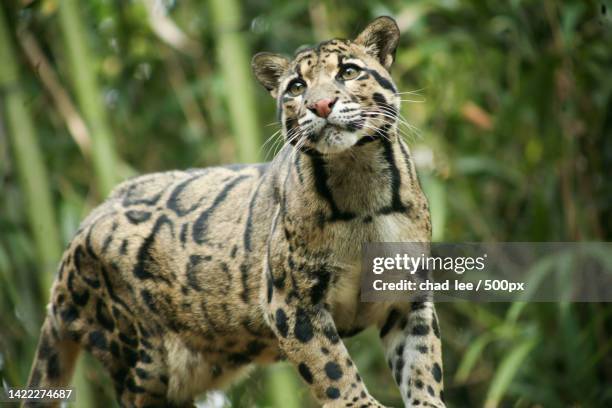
{"x": 373, "y": 178}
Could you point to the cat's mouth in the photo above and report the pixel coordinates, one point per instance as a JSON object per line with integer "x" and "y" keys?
{"x": 336, "y": 127}
{"x": 335, "y": 139}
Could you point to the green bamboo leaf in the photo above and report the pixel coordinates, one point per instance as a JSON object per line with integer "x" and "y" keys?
{"x": 436, "y": 195}
{"x": 536, "y": 275}
{"x": 233, "y": 58}
{"x": 515, "y": 311}
{"x": 507, "y": 371}
{"x": 471, "y": 356}
{"x": 29, "y": 162}
{"x": 89, "y": 96}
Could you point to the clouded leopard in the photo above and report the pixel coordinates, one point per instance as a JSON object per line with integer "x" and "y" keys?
{"x": 182, "y": 280}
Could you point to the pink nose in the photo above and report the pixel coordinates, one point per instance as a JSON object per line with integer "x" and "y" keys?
{"x": 323, "y": 107}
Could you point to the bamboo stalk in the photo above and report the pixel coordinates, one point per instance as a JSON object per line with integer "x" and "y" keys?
{"x": 74, "y": 122}
{"x": 29, "y": 161}
{"x": 88, "y": 95}
{"x": 167, "y": 31}
{"x": 234, "y": 64}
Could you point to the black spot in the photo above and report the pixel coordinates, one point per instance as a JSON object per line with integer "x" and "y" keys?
{"x": 379, "y": 99}
{"x": 144, "y": 357}
{"x": 110, "y": 289}
{"x": 436, "y": 328}
{"x": 422, "y": 349}
{"x": 134, "y": 195}
{"x": 281, "y": 322}
{"x": 193, "y": 269}
{"x": 254, "y": 348}
{"x": 419, "y": 384}
{"x": 88, "y": 246}
{"x": 399, "y": 366}
{"x": 114, "y": 349}
{"x": 137, "y": 217}
{"x": 103, "y": 316}
{"x": 142, "y": 373}
{"x": 390, "y": 322}
{"x": 303, "y": 327}
{"x": 420, "y": 330}
{"x": 430, "y": 391}
{"x": 216, "y": 371}
{"x": 132, "y": 387}
{"x": 398, "y": 377}
{"x": 305, "y": 372}
{"x": 269, "y": 286}
{"x": 80, "y": 299}
{"x": 97, "y": 339}
{"x": 130, "y": 341}
{"x": 183, "y": 234}
{"x": 332, "y": 393}
{"x": 436, "y": 371}
{"x": 124, "y": 247}
{"x": 332, "y": 335}
{"x": 130, "y": 356}
{"x": 350, "y": 332}
{"x": 69, "y": 314}
{"x": 145, "y": 258}
{"x": 239, "y": 358}
{"x": 148, "y": 299}
{"x": 318, "y": 291}
{"x": 333, "y": 370}
{"x": 244, "y": 278}
{"x": 174, "y": 201}
{"x": 248, "y": 229}
{"x": 53, "y": 367}
{"x": 107, "y": 242}
{"x": 400, "y": 350}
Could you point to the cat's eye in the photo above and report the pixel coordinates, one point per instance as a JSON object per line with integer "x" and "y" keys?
{"x": 296, "y": 87}
{"x": 349, "y": 72}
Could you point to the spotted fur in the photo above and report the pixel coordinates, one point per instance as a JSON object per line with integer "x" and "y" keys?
{"x": 181, "y": 281}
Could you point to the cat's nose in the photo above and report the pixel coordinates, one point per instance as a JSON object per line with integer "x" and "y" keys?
{"x": 323, "y": 107}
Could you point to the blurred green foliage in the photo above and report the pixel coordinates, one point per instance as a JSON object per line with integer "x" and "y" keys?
{"x": 510, "y": 113}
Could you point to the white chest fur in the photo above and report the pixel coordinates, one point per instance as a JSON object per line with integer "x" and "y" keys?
{"x": 345, "y": 294}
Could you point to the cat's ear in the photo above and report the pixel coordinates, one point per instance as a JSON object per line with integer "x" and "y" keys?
{"x": 268, "y": 69}
{"x": 380, "y": 39}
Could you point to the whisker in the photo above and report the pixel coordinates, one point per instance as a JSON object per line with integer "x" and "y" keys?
{"x": 415, "y": 92}
{"x": 410, "y": 128}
